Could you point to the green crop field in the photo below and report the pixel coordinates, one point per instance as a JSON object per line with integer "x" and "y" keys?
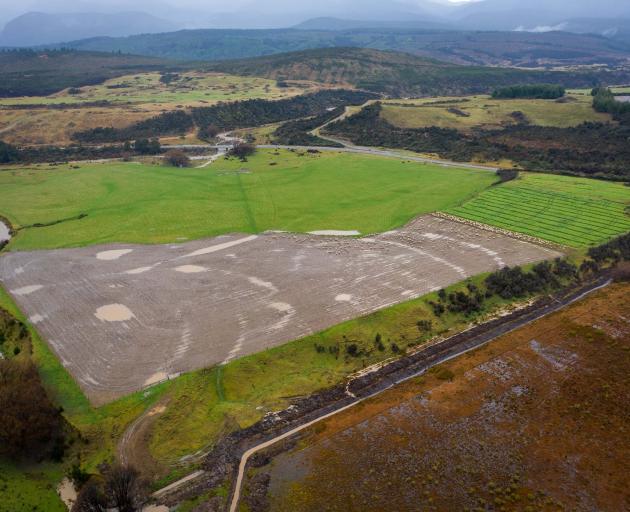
{"x": 482, "y": 111}
{"x": 131, "y": 202}
{"x": 575, "y": 212}
{"x": 189, "y": 87}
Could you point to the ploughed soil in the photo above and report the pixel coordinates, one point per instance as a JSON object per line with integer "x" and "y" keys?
{"x": 537, "y": 420}
{"x": 123, "y": 317}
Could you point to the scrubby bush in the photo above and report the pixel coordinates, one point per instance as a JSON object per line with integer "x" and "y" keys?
{"x": 506, "y": 175}
{"x": 352, "y": 349}
{"x": 208, "y": 132}
{"x": 177, "y": 158}
{"x": 425, "y": 325}
{"x": 8, "y": 153}
{"x": 122, "y": 490}
{"x": 31, "y": 426}
{"x": 530, "y": 91}
{"x": 147, "y": 147}
{"x": 242, "y": 150}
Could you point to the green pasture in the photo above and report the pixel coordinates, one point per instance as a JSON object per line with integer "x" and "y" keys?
{"x": 274, "y": 190}
{"x": 576, "y": 212}
{"x": 486, "y": 112}
{"x": 191, "y": 87}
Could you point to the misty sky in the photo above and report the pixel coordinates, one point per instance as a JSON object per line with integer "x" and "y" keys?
{"x": 111, "y": 5}
{"x": 506, "y": 14}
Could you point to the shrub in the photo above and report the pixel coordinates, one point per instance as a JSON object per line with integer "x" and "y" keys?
{"x": 506, "y": 175}
{"x": 208, "y": 132}
{"x": 78, "y": 476}
{"x": 352, "y": 349}
{"x": 177, "y": 158}
{"x": 147, "y": 147}
{"x": 425, "y": 325}
{"x": 8, "y": 153}
{"x": 242, "y": 150}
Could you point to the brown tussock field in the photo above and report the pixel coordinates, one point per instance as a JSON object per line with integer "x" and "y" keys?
{"x": 537, "y": 420}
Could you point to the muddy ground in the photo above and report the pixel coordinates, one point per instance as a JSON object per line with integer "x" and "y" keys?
{"x": 537, "y": 420}
{"x": 121, "y": 317}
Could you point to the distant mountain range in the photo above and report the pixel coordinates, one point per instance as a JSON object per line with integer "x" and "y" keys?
{"x": 607, "y": 18}
{"x": 104, "y": 18}
{"x": 38, "y": 28}
{"x": 522, "y": 49}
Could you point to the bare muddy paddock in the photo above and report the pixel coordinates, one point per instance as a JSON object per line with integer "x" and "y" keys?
{"x": 121, "y": 317}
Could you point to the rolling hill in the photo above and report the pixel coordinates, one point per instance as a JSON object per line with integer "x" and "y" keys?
{"x": 39, "y": 73}
{"x": 396, "y": 74}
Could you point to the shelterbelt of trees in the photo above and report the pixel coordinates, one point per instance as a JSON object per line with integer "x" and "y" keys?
{"x": 594, "y": 150}
{"x": 530, "y": 91}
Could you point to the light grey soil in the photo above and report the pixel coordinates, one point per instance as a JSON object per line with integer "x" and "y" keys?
{"x": 121, "y": 317}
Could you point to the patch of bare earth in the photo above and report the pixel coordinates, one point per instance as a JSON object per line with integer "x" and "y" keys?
{"x": 119, "y": 315}
{"x": 536, "y": 421}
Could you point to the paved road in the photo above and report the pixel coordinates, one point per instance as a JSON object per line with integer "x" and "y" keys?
{"x": 390, "y": 153}
{"x": 347, "y": 148}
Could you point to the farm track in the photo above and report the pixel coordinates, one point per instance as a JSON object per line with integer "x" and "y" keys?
{"x": 371, "y": 384}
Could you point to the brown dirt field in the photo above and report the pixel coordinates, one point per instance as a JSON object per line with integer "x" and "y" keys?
{"x": 55, "y": 126}
{"x": 536, "y": 421}
{"x": 121, "y": 317}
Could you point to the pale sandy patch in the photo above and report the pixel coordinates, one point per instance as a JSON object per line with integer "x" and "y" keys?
{"x": 262, "y": 284}
{"x": 27, "y": 290}
{"x": 343, "y": 297}
{"x": 114, "y": 313}
{"x": 140, "y": 270}
{"x": 155, "y": 378}
{"x": 35, "y": 319}
{"x": 281, "y": 307}
{"x": 334, "y": 232}
{"x": 220, "y": 247}
{"x": 157, "y": 410}
{"x": 112, "y": 255}
{"x": 191, "y": 269}
{"x": 67, "y": 492}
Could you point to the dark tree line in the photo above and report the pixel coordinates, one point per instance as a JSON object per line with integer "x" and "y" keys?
{"x": 31, "y": 427}
{"x": 33, "y": 154}
{"x": 530, "y": 91}
{"x": 296, "y": 133}
{"x": 604, "y": 101}
{"x": 228, "y": 116}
